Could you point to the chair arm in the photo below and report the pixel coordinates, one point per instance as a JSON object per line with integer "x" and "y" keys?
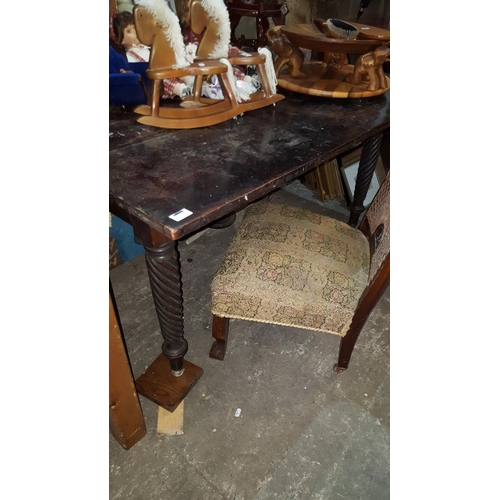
{"x": 139, "y": 67}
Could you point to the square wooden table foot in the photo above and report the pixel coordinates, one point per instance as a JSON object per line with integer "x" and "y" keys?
{"x": 159, "y": 385}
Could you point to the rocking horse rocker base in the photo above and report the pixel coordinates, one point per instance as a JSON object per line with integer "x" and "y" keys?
{"x": 205, "y": 121}
{"x": 213, "y": 112}
{"x": 196, "y": 111}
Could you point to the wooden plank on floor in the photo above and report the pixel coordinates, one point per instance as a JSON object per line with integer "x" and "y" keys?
{"x": 170, "y": 423}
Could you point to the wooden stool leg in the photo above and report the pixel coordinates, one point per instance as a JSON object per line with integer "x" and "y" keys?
{"x": 220, "y": 327}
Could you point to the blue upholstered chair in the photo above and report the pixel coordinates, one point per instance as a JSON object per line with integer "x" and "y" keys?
{"x": 126, "y": 89}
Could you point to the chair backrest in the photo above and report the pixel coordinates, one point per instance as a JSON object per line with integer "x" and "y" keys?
{"x": 117, "y": 61}
{"x": 376, "y": 227}
{"x": 126, "y": 89}
{"x": 157, "y": 26}
{"x": 211, "y": 18}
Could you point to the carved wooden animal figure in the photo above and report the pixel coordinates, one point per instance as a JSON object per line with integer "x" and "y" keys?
{"x": 368, "y": 67}
{"x": 287, "y": 53}
{"x": 339, "y": 60}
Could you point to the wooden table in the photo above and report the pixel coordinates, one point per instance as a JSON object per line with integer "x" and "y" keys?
{"x": 212, "y": 172}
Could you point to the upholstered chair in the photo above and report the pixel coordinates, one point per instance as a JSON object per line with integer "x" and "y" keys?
{"x": 292, "y": 267}
{"x": 126, "y": 89}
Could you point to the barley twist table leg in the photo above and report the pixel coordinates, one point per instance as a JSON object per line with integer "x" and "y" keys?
{"x": 367, "y": 163}
{"x": 170, "y": 377}
{"x": 165, "y": 279}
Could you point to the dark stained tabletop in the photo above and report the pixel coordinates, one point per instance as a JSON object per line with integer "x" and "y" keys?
{"x": 213, "y": 171}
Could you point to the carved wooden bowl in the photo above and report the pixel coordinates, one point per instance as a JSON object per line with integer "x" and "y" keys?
{"x": 313, "y": 37}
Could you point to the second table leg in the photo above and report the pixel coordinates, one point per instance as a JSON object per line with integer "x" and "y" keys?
{"x": 367, "y": 163}
{"x": 165, "y": 279}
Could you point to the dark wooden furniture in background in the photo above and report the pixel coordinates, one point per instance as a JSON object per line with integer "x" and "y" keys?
{"x": 126, "y": 421}
{"x": 154, "y": 173}
{"x": 261, "y": 11}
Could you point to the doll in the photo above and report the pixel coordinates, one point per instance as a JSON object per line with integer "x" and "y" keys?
{"x": 246, "y": 79}
{"x": 126, "y": 36}
{"x": 123, "y": 26}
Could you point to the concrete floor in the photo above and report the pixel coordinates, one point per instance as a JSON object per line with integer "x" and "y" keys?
{"x": 304, "y": 431}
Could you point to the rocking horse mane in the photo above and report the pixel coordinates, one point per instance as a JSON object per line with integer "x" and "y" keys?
{"x": 217, "y": 11}
{"x": 162, "y": 12}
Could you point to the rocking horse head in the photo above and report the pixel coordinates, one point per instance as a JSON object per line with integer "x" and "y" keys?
{"x": 156, "y": 25}
{"x": 214, "y": 16}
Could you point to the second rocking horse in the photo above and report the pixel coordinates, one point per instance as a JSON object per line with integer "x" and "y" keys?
{"x": 159, "y": 27}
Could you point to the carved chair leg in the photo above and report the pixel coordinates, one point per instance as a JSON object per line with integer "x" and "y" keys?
{"x": 220, "y": 327}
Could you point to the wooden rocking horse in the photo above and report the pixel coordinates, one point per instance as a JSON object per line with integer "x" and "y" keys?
{"x": 211, "y": 18}
{"x": 157, "y": 26}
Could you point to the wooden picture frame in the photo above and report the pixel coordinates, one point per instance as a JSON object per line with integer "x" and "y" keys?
{"x": 349, "y": 169}
{"x": 325, "y": 179}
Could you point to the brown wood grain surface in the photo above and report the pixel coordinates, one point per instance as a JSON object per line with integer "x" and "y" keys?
{"x": 159, "y": 385}
{"x": 326, "y": 82}
{"x": 216, "y": 170}
{"x": 307, "y": 36}
{"x": 126, "y": 421}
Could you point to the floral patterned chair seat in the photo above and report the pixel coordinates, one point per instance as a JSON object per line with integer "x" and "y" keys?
{"x": 292, "y": 267}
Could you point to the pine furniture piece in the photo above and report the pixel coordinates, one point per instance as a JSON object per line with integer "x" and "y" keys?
{"x": 169, "y": 184}
{"x": 126, "y": 421}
